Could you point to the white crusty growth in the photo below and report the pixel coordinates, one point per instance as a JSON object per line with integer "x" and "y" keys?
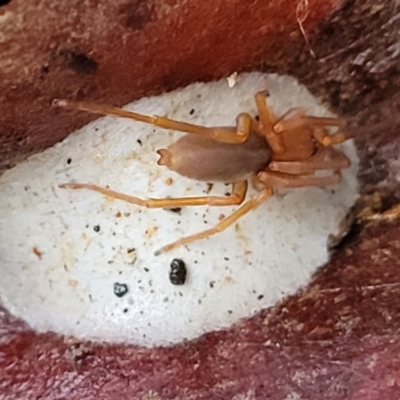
{"x": 62, "y": 251}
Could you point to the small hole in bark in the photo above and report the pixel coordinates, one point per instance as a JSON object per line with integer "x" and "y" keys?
{"x": 80, "y": 62}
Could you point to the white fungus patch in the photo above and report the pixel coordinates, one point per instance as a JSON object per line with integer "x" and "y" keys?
{"x": 62, "y": 250}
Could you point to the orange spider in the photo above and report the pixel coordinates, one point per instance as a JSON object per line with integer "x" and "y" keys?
{"x": 272, "y": 152}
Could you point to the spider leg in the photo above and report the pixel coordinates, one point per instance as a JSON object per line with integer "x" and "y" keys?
{"x": 283, "y": 180}
{"x": 326, "y": 158}
{"x": 268, "y": 119}
{"x": 296, "y": 118}
{"x": 224, "y": 224}
{"x": 326, "y": 139}
{"x": 237, "y": 134}
{"x": 239, "y": 190}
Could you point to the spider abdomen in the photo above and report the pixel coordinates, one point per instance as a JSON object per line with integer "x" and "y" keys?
{"x": 202, "y": 158}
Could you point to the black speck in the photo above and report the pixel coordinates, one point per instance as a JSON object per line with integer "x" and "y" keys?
{"x": 131, "y": 250}
{"x": 178, "y": 271}
{"x": 146, "y": 269}
{"x": 260, "y": 297}
{"x": 120, "y": 289}
{"x": 212, "y": 283}
{"x": 96, "y": 129}
{"x": 69, "y": 161}
{"x": 229, "y": 311}
{"x": 96, "y": 228}
{"x": 125, "y": 310}
{"x": 226, "y": 258}
{"x": 140, "y": 142}
{"x": 257, "y": 117}
{"x": 191, "y": 112}
{"x": 227, "y": 194}
{"x": 110, "y": 262}
{"x": 174, "y": 209}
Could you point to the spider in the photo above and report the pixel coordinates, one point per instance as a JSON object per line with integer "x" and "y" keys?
{"x": 268, "y": 152}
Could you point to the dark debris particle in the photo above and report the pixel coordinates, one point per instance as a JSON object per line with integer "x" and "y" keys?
{"x": 125, "y": 310}
{"x": 146, "y": 269}
{"x": 178, "y": 271}
{"x": 96, "y": 228}
{"x": 69, "y": 161}
{"x": 260, "y": 297}
{"x": 226, "y": 258}
{"x": 120, "y": 289}
{"x": 131, "y": 250}
{"x": 174, "y": 209}
{"x": 212, "y": 283}
{"x": 140, "y": 142}
{"x": 191, "y": 112}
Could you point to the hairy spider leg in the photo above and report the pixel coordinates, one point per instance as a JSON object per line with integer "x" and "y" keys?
{"x": 222, "y": 225}
{"x": 238, "y": 134}
{"x": 239, "y": 190}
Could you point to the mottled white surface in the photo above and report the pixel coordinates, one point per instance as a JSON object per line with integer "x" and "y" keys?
{"x": 57, "y": 273}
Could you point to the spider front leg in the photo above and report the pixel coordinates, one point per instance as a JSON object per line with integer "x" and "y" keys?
{"x": 237, "y": 134}
{"x": 296, "y": 118}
